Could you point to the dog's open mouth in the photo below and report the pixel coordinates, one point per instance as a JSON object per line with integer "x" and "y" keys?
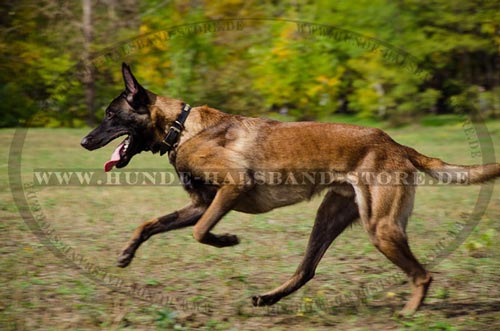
{"x": 121, "y": 156}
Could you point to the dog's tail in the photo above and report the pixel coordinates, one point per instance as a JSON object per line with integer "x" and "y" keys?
{"x": 451, "y": 173}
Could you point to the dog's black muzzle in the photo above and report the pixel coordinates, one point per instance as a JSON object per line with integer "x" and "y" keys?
{"x": 101, "y": 136}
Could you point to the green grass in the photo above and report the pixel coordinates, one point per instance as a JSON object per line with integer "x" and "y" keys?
{"x": 40, "y": 291}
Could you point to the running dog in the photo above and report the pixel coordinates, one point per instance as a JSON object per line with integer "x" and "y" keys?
{"x": 207, "y": 146}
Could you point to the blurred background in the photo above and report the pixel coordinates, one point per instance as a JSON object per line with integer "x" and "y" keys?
{"x": 267, "y": 68}
{"x": 61, "y": 66}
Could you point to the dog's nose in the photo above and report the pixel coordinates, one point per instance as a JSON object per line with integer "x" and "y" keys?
{"x": 86, "y": 142}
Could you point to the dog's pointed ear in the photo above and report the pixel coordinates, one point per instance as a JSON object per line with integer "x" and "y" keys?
{"x": 131, "y": 84}
{"x": 136, "y": 94}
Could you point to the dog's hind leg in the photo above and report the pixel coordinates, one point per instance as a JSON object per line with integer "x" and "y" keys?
{"x": 184, "y": 217}
{"x": 391, "y": 207}
{"x": 336, "y": 212}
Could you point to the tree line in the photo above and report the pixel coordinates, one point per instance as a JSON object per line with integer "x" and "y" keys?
{"x": 446, "y": 57}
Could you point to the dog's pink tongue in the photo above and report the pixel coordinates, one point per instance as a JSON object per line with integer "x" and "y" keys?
{"x": 115, "y": 158}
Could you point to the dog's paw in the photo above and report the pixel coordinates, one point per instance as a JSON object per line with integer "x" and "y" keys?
{"x": 404, "y": 313}
{"x": 124, "y": 259}
{"x": 263, "y": 300}
{"x": 227, "y": 239}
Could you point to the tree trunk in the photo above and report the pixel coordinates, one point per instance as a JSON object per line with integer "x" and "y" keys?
{"x": 112, "y": 11}
{"x": 382, "y": 109}
{"x": 88, "y": 70}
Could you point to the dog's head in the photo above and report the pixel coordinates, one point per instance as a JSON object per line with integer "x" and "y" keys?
{"x": 128, "y": 114}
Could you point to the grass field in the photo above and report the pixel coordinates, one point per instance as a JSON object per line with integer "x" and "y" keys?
{"x": 210, "y": 288}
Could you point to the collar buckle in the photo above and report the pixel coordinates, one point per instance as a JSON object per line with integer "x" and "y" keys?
{"x": 171, "y": 140}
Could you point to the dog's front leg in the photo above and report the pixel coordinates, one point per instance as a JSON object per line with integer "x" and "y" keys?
{"x": 187, "y": 216}
{"x": 223, "y": 202}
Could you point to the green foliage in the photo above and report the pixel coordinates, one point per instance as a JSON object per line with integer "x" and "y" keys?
{"x": 266, "y": 68}
{"x": 481, "y": 242}
{"x": 419, "y": 323}
{"x": 166, "y": 320}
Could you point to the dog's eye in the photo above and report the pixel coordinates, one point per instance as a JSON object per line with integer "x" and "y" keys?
{"x": 109, "y": 114}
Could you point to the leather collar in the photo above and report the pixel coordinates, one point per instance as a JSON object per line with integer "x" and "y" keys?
{"x": 174, "y": 132}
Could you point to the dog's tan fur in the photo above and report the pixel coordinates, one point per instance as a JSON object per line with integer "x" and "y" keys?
{"x": 222, "y": 144}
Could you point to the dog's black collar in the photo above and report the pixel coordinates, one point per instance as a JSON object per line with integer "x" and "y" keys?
{"x": 173, "y": 134}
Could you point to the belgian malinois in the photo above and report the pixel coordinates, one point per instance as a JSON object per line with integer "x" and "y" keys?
{"x": 207, "y": 146}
